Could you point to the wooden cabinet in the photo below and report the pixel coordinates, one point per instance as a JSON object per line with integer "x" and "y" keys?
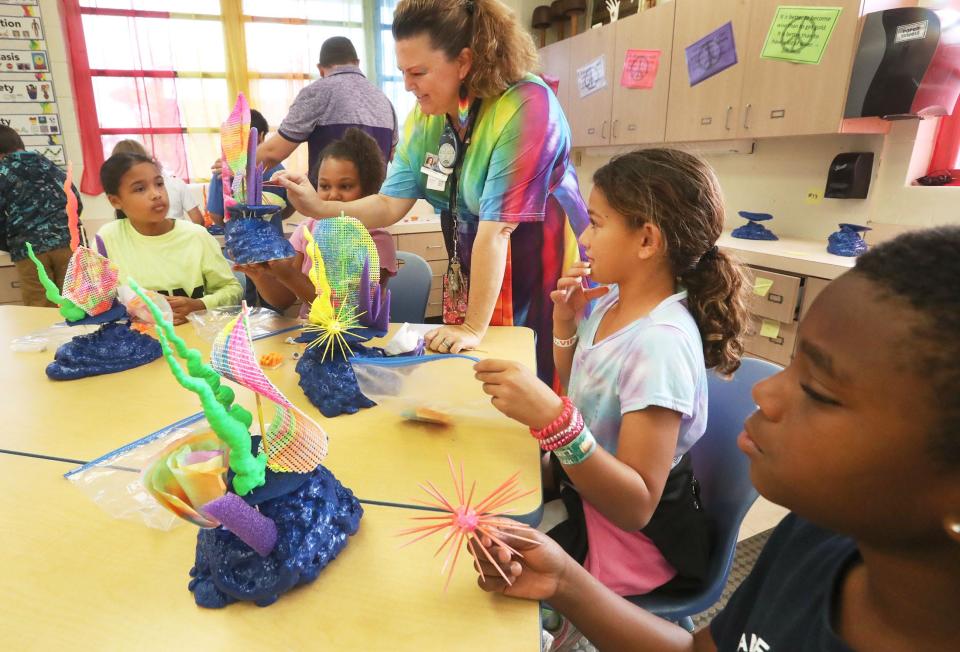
{"x": 555, "y": 62}
{"x": 709, "y": 110}
{"x": 429, "y": 246}
{"x": 780, "y": 98}
{"x": 758, "y": 98}
{"x": 589, "y": 116}
{"x": 639, "y": 115}
{"x": 10, "y": 285}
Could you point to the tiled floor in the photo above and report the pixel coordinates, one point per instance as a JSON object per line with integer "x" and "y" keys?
{"x": 762, "y": 516}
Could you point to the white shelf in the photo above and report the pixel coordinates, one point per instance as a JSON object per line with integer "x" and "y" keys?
{"x": 806, "y": 257}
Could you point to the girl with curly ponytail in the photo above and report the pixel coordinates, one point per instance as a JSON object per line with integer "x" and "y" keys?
{"x": 669, "y": 305}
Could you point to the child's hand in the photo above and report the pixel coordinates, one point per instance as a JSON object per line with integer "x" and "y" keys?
{"x": 253, "y": 270}
{"x": 183, "y": 306}
{"x": 571, "y": 298}
{"x": 301, "y": 194}
{"x": 535, "y": 576}
{"x": 518, "y": 393}
{"x": 285, "y": 268}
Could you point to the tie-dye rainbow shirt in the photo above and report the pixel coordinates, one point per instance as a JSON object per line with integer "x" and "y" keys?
{"x": 517, "y": 169}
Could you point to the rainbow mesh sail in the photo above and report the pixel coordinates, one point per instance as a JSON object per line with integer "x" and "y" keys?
{"x": 293, "y": 442}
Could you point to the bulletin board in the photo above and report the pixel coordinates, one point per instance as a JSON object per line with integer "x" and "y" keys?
{"x": 28, "y": 92}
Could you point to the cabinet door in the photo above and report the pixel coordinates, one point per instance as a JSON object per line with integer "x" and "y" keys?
{"x": 555, "y": 62}
{"x": 589, "y": 115}
{"x": 640, "y": 114}
{"x": 780, "y": 98}
{"x": 708, "y": 110}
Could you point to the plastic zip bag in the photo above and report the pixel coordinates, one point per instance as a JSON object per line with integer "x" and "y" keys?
{"x": 263, "y": 322}
{"x": 50, "y": 337}
{"x": 438, "y": 389}
{"x": 112, "y": 481}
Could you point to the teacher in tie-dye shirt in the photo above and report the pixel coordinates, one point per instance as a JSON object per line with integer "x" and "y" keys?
{"x": 518, "y": 209}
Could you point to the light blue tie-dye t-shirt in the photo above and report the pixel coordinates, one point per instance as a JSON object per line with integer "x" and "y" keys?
{"x": 656, "y": 360}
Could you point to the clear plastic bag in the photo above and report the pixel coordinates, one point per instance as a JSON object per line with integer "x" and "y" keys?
{"x": 263, "y": 322}
{"x": 50, "y": 337}
{"x": 112, "y": 481}
{"x": 437, "y": 389}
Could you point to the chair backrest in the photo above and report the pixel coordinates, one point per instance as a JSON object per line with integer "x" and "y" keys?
{"x": 410, "y": 289}
{"x": 721, "y": 468}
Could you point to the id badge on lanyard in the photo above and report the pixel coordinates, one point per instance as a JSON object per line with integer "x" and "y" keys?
{"x": 456, "y": 282}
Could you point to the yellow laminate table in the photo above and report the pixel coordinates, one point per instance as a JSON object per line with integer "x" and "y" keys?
{"x": 383, "y": 457}
{"x": 75, "y": 579}
{"x": 377, "y": 454}
{"x": 83, "y": 419}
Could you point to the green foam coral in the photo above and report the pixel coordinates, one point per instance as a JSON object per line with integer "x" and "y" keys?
{"x": 69, "y": 310}
{"x": 230, "y": 422}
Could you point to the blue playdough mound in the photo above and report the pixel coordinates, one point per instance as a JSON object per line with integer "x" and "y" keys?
{"x": 111, "y": 348}
{"x": 250, "y": 238}
{"x": 753, "y": 229}
{"x": 848, "y": 241}
{"x": 331, "y": 385}
{"x": 313, "y": 523}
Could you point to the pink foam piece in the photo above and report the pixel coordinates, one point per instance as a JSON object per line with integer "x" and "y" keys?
{"x": 250, "y": 526}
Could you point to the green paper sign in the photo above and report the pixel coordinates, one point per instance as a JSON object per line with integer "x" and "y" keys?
{"x": 800, "y": 34}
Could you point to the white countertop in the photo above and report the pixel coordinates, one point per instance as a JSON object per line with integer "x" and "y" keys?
{"x": 807, "y": 257}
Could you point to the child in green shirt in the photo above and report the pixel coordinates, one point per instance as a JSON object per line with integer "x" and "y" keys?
{"x": 174, "y": 257}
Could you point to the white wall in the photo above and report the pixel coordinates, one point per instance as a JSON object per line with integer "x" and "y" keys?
{"x": 777, "y": 176}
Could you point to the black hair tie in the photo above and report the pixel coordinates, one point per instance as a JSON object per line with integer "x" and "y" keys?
{"x": 709, "y": 255}
{"x": 469, "y": 5}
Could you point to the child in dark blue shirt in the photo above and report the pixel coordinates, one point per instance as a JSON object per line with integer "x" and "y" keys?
{"x": 860, "y": 438}
{"x": 33, "y": 209}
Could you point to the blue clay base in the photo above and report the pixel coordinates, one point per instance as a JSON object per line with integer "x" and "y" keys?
{"x": 847, "y": 241}
{"x": 254, "y": 240}
{"x": 331, "y": 385}
{"x": 111, "y": 348}
{"x": 753, "y": 231}
{"x": 313, "y": 524}
{"x": 116, "y": 313}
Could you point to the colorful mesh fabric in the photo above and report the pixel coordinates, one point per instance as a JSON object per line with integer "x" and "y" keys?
{"x": 346, "y": 245}
{"x": 293, "y": 441}
{"x": 91, "y": 281}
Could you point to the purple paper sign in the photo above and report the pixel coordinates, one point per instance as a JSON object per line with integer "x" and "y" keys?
{"x": 713, "y": 53}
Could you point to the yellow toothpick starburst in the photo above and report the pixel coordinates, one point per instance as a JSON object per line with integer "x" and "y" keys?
{"x": 332, "y": 331}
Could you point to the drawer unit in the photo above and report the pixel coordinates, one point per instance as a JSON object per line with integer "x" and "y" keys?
{"x": 812, "y": 286}
{"x": 775, "y": 295}
{"x": 10, "y": 285}
{"x": 435, "y": 301}
{"x": 776, "y": 348}
{"x": 428, "y": 246}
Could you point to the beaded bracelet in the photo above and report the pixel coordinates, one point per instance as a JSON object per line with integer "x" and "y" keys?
{"x": 578, "y": 450}
{"x": 567, "y": 435}
{"x": 557, "y": 424}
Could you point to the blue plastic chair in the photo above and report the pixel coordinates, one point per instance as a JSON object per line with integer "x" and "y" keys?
{"x": 410, "y": 289}
{"x": 725, "y": 489}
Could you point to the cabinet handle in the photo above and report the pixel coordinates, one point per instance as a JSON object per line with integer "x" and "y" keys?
{"x": 603, "y": 130}
{"x": 746, "y": 117}
{"x": 613, "y": 131}
{"x": 726, "y": 121}
{"x": 434, "y": 246}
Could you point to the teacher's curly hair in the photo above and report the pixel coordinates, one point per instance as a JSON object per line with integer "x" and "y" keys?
{"x": 503, "y": 51}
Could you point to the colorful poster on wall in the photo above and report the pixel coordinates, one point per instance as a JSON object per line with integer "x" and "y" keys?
{"x": 24, "y": 28}
{"x": 592, "y": 77}
{"x": 26, "y": 91}
{"x": 640, "y": 68}
{"x": 32, "y": 124}
{"x": 712, "y": 54}
{"x": 800, "y": 34}
{"x": 23, "y": 61}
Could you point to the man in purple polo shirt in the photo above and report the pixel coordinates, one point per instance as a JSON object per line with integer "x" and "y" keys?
{"x": 325, "y": 109}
